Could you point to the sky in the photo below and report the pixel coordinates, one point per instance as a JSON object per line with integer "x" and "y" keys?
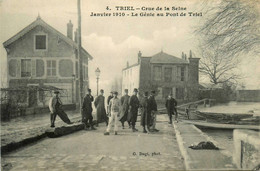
{"x": 112, "y": 41}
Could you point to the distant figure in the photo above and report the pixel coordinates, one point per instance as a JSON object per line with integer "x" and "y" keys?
{"x": 133, "y": 105}
{"x": 114, "y": 107}
{"x": 144, "y": 120}
{"x": 125, "y": 108}
{"x": 152, "y": 111}
{"x": 170, "y": 105}
{"x": 55, "y": 106}
{"x": 100, "y": 106}
{"x": 109, "y": 98}
{"x": 87, "y": 109}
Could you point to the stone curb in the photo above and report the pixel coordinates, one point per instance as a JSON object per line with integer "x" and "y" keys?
{"x": 15, "y": 145}
{"x": 183, "y": 151}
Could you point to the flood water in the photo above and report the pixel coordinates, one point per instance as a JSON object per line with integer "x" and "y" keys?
{"x": 224, "y": 138}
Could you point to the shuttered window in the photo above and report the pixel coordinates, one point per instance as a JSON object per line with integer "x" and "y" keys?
{"x": 157, "y": 73}
{"x": 168, "y": 74}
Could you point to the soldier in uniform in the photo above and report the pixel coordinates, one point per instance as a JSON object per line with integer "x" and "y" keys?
{"x": 125, "y": 108}
{"x": 144, "y": 120}
{"x": 152, "y": 110}
{"x": 134, "y": 105}
{"x": 170, "y": 105}
{"x": 87, "y": 110}
{"x": 100, "y": 106}
{"x": 55, "y": 106}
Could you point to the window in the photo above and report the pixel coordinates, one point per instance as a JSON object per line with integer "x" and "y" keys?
{"x": 51, "y": 68}
{"x": 157, "y": 73}
{"x": 182, "y": 73}
{"x": 26, "y": 68}
{"x": 168, "y": 74}
{"x": 166, "y": 91}
{"x": 40, "y": 42}
{"x": 180, "y": 93}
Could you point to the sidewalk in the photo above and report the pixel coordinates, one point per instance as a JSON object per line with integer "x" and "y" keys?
{"x": 188, "y": 134}
{"x": 92, "y": 150}
{"x": 21, "y": 128}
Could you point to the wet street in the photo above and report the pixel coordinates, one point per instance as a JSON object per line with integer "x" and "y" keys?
{"x": 91, "y": 150}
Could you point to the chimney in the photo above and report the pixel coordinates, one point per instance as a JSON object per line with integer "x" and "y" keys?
{"x": 182, "y": 55}
{"x": 70, "y": 30}
{"x": 76, "y": 36}
{"x": 139, "y": 56}
{"x": 190, "y": 54}
{"x": 185, "y": 57}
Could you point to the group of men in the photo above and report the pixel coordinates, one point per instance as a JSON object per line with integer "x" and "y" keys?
{"x": 124, "y": 110}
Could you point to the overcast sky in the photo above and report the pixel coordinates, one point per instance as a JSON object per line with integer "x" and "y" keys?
{"x": 113, "y": 40}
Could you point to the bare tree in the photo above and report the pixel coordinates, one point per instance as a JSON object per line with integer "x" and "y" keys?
{"x": 230, "y": 30}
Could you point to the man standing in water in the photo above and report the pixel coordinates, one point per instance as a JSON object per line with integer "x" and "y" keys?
{"x": 100, "y": 106}
{"x": 114, "y": 106}
{"x": 87, "y": 110}
{"x": 125, "y": 107}
{"x": 134, "y": 105}
{"x": 55, "y": 106}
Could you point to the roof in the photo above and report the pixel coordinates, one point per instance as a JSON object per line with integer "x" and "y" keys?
{"x": 210, "y": 86}
{"x": 33, "y": 87}
{"x": 164, "y": 58}
{"x": 130, "y": 66}
{"x": 42, "y": 23}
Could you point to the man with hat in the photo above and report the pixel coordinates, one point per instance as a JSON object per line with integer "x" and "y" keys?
{"x": 170, "y": 105}
{"x": 55, "y": 106}
{"x": 114, "y": 107}
{"x": 144, "y": 119}
{"x": 133, "y": 105}
{"x": 100, "y": 106}
{"x": 152, "y": 110}
{"x": 125, "y": 108}
{"x": 87, "y": 110}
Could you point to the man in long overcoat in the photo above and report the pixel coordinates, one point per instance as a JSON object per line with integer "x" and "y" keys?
{"x": 100, "y": 106}
{"x": 152, "y": 112}
{"x": 170, "y": 105}
{"x": 124, "y": 108}
{"x": 144, "y": 104}
{"x": 133, "y": 105}
{"x": 87, "y": 109}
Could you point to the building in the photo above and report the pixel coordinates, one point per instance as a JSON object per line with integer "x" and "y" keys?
{"x": 164, "y": 73}
{"x": 39, "y": 55}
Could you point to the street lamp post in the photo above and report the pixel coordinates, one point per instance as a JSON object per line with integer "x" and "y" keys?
{"x": 97, "y": 72}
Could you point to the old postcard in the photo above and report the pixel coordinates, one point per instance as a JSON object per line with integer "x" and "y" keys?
{"x": 130, "y": 84}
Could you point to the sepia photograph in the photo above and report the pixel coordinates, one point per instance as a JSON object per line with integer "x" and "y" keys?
{"x": 136, "y": 85}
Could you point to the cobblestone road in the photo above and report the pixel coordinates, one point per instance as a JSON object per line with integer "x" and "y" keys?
{"x": 91, "y": 150}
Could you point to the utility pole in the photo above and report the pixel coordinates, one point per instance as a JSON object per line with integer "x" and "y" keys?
{"x": 81, "y": 90}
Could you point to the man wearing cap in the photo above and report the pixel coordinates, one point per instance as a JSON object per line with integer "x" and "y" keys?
{"x": 134, "y": 105}
{"x": 152, "y": 110}
{"x": 114, "y": 107}
{"x": 87, "y": 110}
{"x": 100, "y": 106}
{"x": 125, "y": 108}
{"x": 55, "y": 106}
{"x": 170, "y": 105}
{"x": 144, "y": 120}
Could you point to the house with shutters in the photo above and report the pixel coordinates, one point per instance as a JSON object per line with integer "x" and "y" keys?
{"x": 165, "y": 74}
{"x": 39, "y": 55}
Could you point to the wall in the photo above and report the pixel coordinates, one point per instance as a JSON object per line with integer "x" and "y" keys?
{"x": 130, "y": 78}
{"x": 248, "y": 96}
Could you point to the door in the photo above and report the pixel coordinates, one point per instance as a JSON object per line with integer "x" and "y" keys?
{"x": 32, "y": 98}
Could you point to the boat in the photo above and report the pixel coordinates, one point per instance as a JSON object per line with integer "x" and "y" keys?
{"x": 204, "y": 124}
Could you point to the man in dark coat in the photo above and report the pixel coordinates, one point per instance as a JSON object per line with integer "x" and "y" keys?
{"x": 87, "y": 110}
{"x": 152, "y": 112}
{"x": 133, "y": 105}
{"x": 124, "y": 108}
{"x": 170, "y": 105}
{"x": 143, "y": 105}
{"x": 100, "y": 106}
